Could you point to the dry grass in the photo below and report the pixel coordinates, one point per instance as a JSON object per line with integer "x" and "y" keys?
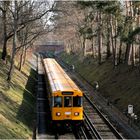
{"x": 17, "y": 103}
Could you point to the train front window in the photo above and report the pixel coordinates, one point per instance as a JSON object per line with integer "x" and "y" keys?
{"x": 67, "y": 101}
{"x": 77, "y": 101}
{"x": 57, "y": 101}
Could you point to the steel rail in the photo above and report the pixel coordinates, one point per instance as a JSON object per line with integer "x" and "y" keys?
{"x": 92, "y": 128}
{"x": 83, "y": 133}
{"x": 113, "y": 129}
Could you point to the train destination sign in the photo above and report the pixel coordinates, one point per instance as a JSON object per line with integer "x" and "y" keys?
{"x": 67, "y": 93}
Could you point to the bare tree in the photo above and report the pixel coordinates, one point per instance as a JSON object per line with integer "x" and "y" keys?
{"x": 4, "y": 8}
{"x": 22, "y": 17}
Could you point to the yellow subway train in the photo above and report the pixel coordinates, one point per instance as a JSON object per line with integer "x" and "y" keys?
{"x": 65, "y": 98}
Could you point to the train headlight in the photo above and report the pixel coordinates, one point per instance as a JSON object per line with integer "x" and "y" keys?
{"x": 76, "y": 113}
{"x": 58, "y": 113}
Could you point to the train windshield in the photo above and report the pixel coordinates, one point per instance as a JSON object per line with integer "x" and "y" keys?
{"x": 77, "y": 101}
{"x": 67, "y": 101}
{"x": 57, "y": 101}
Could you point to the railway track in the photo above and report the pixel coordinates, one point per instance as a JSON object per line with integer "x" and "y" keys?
{"x": 95, "y": 125}
{"x": 83, "y": 131}
{"x": 91, "y": 128}
{"x": 103, "y": 127}
{"x": 99, "y": 126}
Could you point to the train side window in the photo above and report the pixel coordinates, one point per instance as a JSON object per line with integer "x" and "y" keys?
{"x": 77, "y": 101}
{"x": 67, "y": 101}
{"x": 57, "y": 101}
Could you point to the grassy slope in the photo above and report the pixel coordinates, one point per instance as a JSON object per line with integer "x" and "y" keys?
{"x": 17, "y": 103}
{"x": 122, "y": 83}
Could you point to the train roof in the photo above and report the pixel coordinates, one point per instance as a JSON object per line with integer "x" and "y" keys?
{"x": 58, "y": 79}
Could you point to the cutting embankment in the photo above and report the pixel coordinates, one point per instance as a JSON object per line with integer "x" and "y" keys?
{"x": 120, "y": 85}
{"x": 17, "y": 102}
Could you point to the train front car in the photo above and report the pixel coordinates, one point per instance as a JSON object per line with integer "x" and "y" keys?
{"x": 66, "y": 99}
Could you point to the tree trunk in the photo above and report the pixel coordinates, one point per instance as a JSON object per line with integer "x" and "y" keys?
{"x": 24, "y": 56}
{"x": 127, "y": 53}
{"x": 92, "y": 44}
{"x": 84, "y": 47}
{"x": 99, "y": 49}
{"x": 120, "y": 52}
{"x": 80, "y": 40}
{"x": 21, "y": 59}
{"x": 108, "y": 41}
{"x": 4, "y": 50}
{"x": 99, "y": 38}
{"x": 115, "y": 43}
{"x": 11, "y": 70}
{"x": 112, "y": 40}
{"x": 133, "y": 54}
{"x": 14, "y": 43}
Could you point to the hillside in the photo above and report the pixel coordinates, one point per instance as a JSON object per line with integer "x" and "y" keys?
{"x": 120, "y": 85}
{"x": 17, "y": 103}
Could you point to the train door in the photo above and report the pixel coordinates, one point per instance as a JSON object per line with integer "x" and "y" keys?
{"x": 68, "y": 107}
